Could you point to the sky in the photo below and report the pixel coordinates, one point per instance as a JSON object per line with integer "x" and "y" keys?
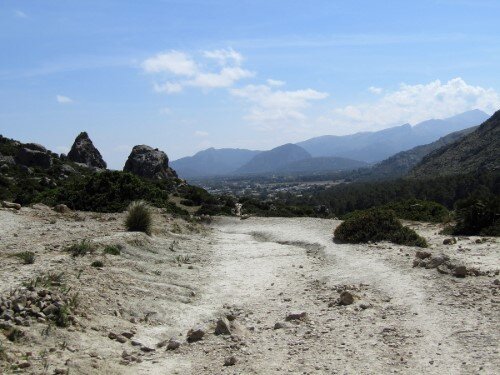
{"x": 185, "y": 75}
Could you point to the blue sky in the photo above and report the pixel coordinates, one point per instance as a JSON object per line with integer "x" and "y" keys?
{"x": 189, "y": 74}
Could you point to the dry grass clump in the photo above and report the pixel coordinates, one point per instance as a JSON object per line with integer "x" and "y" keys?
{"x": 139, "y": 218}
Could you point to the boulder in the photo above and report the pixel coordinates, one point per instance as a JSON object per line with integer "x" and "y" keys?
{"x": 15, "y": 206}
{"x": 222, "y": 327}
{"x": 173, "y": 344}
{"x": 195, "y": 334}
{"x": 149, "y": 162}
{"x": 460, "y": 271}
{"x": 84, "y": 152}
{"x": 33, "y": 155}
{"x": 296, "y": 316}
{"x": 61, "y": 208}
{"x": 230, "y": 361}
{"x": 346, "y": 298}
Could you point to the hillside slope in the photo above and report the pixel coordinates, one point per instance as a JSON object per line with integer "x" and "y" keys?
{"x": 321, "y": 164}
{"x": 479, "y": 150}
{"x": 269, "y": 161}
{"x": 401, "y": 164}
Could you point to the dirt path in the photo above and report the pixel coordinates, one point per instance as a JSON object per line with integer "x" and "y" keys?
{"x": 256, "y": 271}
{"x": 271, "y": 267}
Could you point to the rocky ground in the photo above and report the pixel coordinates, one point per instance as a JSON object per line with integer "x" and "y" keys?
{"x": 280, "y": 294}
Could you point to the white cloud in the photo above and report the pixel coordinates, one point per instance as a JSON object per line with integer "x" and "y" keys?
{"x": 183, "y": 71}
{"x": 165, "y": 111}
{"x": 20, "y": 14}
{"x": 275, "y": 82}
{"x": 375, "y": 90}
{"x": 201, "y": 133}
{"x": 225, "y": 78}
{"x": 167, "y": 87}
{"x": 273, "y": 105}
{"x": 174, "y": 62}
{"x": 416, "y": 103}
{"x": 224, "y": 56}
{"x": 63, "y": 99}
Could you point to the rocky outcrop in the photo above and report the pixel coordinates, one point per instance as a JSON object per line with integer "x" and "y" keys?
{"x": 149, "y": 162}
{"x": 83, "y": 151}
{"x": 34, "y": 155}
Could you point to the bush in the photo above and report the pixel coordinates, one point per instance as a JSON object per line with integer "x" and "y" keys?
{"x": 97, "y": 264}
{"x": 377, "y": 225}
{"x": 81, "y": 249}
{"x": 139, "y": 218}
{"x": 112, "y": 250}
{"x": 412, "y": 209}
{"x": 478, "y": 215}
{"x": 28, "y": 257}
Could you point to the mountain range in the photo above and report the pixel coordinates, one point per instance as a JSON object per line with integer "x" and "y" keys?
{"x": 376, "y": 146}
{"x": 476, "y": 151}
{"x": 332, "y": 153}
{"x": 402, "y": 163}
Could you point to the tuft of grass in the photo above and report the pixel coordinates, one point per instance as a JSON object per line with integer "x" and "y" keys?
{"x": 80, "y": 249}
{"x": 97, "y": 264}
{"x": 46, "y": 281}
{"x": 62, "y": 316}
{"x": 27, "y": 257}
{"x": 139, "y": 217}
{"x": 183, "y": 259}
{"x": 377, "y": 225}
{"x": 112, "y": 250}
{"x": 3, "y": 353}
{"x": 14, "y": 334}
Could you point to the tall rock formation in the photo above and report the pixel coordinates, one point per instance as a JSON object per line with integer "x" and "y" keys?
{"x": 83, "y": 151}
{"x": 149, "y": 162}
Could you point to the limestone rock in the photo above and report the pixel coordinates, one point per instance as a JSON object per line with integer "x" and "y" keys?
{"x": 61, "y": 208}
{"x": 83, "y": 151}
{"x": 148, "y": 162}
{"x": 173, "y": 344}
{"x": 230, "y": 361}
{"x": 195, "y": 334}
{"x": 296, "y": 316}
{"x": 346, "y": 298}
{"x": 15, "y": 206}
{"x": 223, "y": 327}
{"x": 34, "y": 155}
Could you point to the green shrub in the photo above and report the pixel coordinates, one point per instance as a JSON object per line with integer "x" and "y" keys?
{"x": 478, "y": 215}
{"x": 139, "y": 218}
{"x": 377, "y": 225}
{"x": 412, "y": 209}
{"x": 112, "y": 250}
{"x": 28, "y": 257}
{"x": 81, "y": 249}
{"x": 97, "y": 264}
{"x": 61, "y": 316}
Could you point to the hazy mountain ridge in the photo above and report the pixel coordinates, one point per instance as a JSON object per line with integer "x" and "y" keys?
{"x": 356, "y": 150}
{"x": 479, "y": 150}
{"x": 379, "y": 145}
{"x": 213, "y": 162}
